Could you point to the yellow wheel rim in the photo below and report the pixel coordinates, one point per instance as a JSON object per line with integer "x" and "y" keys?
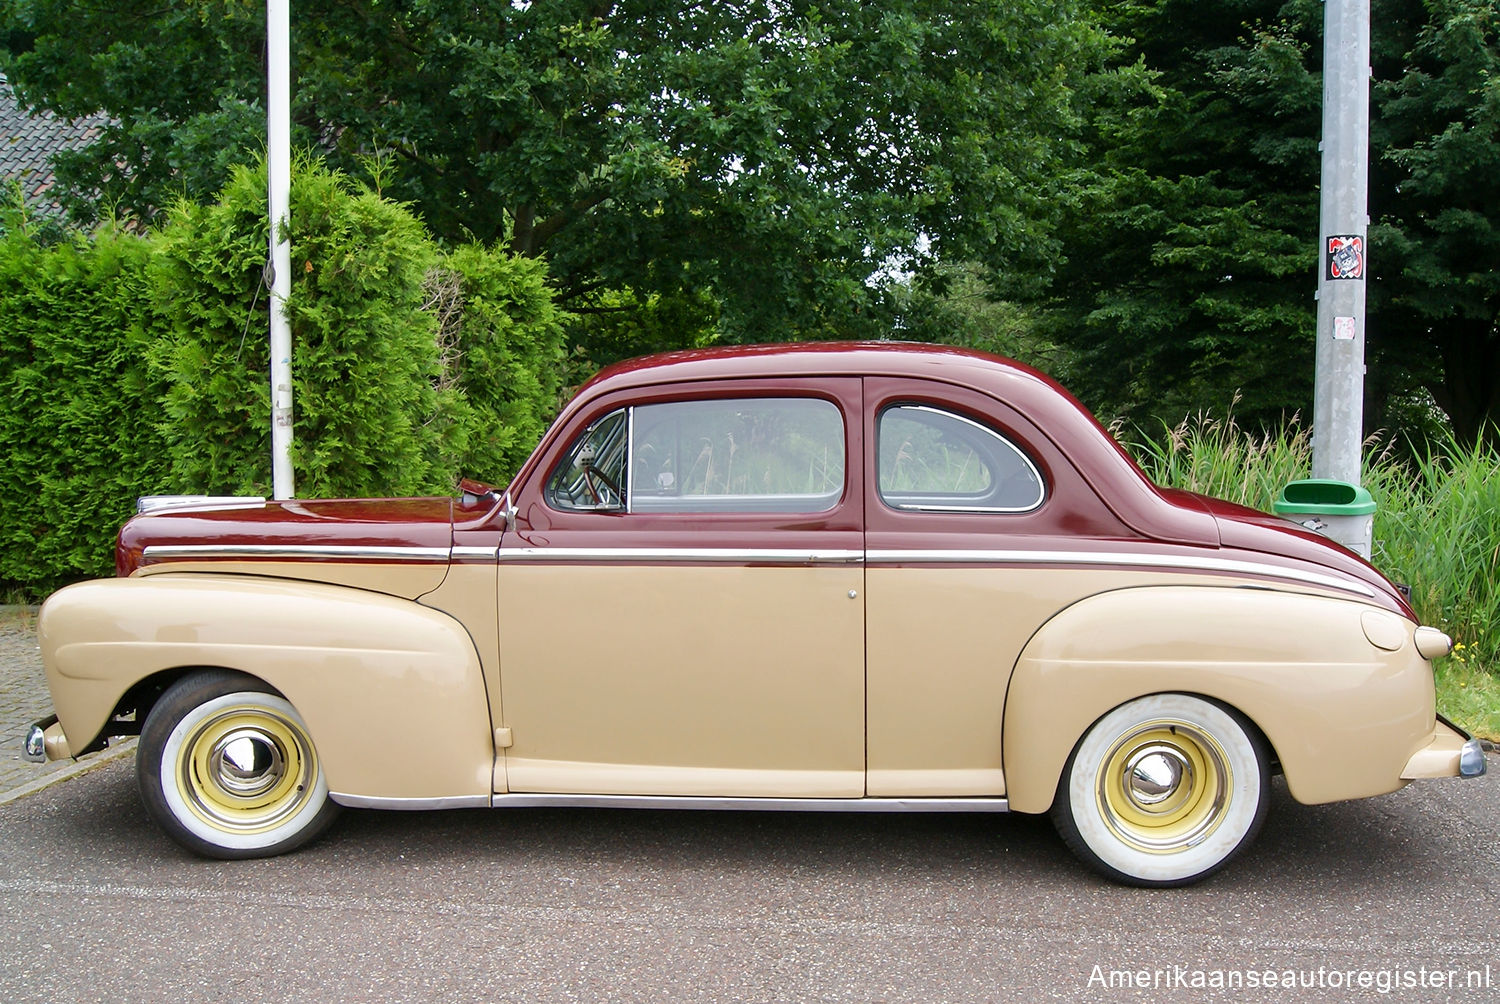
{"x": 1164, "y": 786}
{"x": 246, "y": 769}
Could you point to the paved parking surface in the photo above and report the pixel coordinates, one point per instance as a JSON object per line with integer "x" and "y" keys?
{"x": 1387, "y": 899}
{"x": 618, "y": 905}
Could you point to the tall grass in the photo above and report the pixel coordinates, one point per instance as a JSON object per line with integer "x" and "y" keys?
{"x": 1437, "y": 528}
{"x": 1216, "y": 457}
{"x": 1437, "y": 521}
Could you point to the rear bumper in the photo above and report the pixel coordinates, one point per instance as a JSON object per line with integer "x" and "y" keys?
{"x": 45, "y": 741}
{"x": 1450, "y": 752}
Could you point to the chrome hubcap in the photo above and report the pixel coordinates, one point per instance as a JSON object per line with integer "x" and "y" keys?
{"x": 1154, "y": 776}
{"x": 1164, "y": 786}
{"x": 246, "y": 762}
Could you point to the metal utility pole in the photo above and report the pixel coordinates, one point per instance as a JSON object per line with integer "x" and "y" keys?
{"x": 1338, "y": 398}
{"x": 279, "y": 181}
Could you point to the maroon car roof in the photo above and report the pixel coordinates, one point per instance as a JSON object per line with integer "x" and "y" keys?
{"x": 1046, "y": 403}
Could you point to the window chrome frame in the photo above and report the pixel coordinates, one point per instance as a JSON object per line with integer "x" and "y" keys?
{"x": 958, "y": 507}
{"x": 767, "y": 503}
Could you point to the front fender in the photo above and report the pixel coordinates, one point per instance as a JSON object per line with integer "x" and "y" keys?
{"x": 1342, "y": 715}
{"x": 391, "y": 691}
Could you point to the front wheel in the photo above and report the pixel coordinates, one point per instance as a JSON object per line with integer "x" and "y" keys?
{"x": 1163, "y": 791}
{"x": 226, "y": 767}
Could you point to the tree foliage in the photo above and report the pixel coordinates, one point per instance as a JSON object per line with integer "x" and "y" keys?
{"x": 411, "y": 365}
{"x": 1190, "y": 238}
{"x": 77, "y": 400}
{"x": 500, "y": 346}
{"x": 366, "y": 363}
{"x": 775, "y": 154}
{"x": 1437, "y": 234}
{"x": 1138, "y": 180}
{"x": 1188, "y": 259}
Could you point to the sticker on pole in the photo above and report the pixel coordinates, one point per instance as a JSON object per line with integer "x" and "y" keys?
{"x": 1346, "y": 257}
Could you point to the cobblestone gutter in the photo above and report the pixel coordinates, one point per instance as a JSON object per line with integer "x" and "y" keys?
{"x": 23, "y": 700}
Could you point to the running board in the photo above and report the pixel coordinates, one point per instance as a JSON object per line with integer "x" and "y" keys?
{"x": 560, "y": 801}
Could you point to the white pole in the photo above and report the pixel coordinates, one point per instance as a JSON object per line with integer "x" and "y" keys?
{"x": 1343, "y": 258}
{"x": 279, "y": 180}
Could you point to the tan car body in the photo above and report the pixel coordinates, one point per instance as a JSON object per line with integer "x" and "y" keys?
{"x": 395, "y": 696}
{"x": 874, "y": 646}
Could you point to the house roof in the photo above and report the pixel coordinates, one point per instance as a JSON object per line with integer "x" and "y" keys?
{"x": 27, "y": 142}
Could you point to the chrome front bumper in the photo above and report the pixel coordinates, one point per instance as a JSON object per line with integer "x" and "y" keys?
{"x": 45, "y": 741}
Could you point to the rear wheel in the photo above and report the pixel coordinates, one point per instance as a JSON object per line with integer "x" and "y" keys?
{"x": 227, "y": 768}
{"x": 1163, "y": 791}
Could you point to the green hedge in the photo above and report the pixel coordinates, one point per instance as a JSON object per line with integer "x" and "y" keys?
{"x": 503, "y": 342}
{"x": 78, "y": 412}
{"x": 138, "y": 364}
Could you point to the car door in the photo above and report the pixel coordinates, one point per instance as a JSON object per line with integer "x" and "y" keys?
{"x": 965, "y": 497}
{"x": 681, "y": 596}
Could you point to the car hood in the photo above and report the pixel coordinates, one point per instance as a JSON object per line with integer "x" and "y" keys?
{"x": 1244, "y": 529}
{"x": 321, "y": 532}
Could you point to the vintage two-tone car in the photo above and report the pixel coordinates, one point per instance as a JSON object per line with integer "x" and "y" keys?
{"x": 808, "y": 577}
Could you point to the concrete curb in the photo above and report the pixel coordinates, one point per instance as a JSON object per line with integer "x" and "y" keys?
{"x": 92, "y": 762}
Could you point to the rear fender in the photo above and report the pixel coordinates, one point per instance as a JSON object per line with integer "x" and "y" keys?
{"x": 1343, "y": 715}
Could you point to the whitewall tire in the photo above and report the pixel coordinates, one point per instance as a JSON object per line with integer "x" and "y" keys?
{"x": 227, "y": 768}
{"x": 1164, "y": 790}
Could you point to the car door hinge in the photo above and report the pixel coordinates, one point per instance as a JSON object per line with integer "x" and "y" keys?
{"x": 502, "y": 739}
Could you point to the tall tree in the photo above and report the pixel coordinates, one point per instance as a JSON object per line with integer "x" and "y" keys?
{"x": 1189, "y": 242}
{"x": 780, "y": 155}
{"x": 1436, "y": 244}
{"x": 1186, "y": 273}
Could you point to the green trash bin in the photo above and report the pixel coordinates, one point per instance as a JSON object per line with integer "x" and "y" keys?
{"x": 1336, "y": 509}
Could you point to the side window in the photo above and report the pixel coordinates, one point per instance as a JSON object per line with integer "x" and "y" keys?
{"x": 591, "y": 476}
{"x": 934, "y": 460}
{"x": 737, "y": 455}
{"x": 729, "y": 455}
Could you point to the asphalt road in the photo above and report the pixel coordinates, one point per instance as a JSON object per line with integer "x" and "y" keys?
{"x": 596, "y": 905}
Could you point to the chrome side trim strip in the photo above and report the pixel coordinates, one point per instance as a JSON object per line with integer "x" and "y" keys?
{"x": 166, "y": 552}
{"x": 546, "y": 800}
{"x": 787, "y": 556}
{"x": 411, "y": 804}
{"x": 1132, "y": 559}
{"x": 466, "y": 553}
{"x": 937, "y": 507}
{"x": 158, "y": 503}
{"x": 779, "y": 556}
{"x": 542, "y": 800}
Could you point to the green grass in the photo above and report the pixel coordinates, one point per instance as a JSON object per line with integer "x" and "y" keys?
{"x": 1216, "y": 457}
{"x": 1470, "y": 697}
{"x": 1437, "y": 529}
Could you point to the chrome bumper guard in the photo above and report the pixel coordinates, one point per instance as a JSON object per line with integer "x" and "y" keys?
{"x": 1471, "y": 761}
{"x": 36, "y": 740}
{"x": 45, "y": 741}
